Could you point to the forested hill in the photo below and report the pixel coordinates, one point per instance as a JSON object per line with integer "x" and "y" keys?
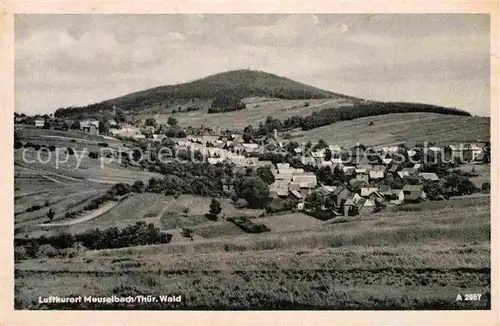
{"x": 237, "y": 83}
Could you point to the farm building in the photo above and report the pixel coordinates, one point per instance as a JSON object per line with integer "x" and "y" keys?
{"x": 385, "y": 190}
{"x": 112, "y": 124}
{"x": 413, "y": 193}
{"x": 365, "y": 206}
{"x": 349, "y": 207}
{"x": 39, "y": 123}
{"x": 472, "y": 153}
{"x": 387, "y": 161}
{"x": 158, "y": 138}
{"x": 429, "y": 176}
{"x": 308, "y": 178}
{"x": 340, "y": 195}
{"x": 139, "y": 136}
{"x": 367, "y": 191}
{"x": 90, "y": 127}
{"x": 349, "y": 170}
{"x": 395, "y": 167}
{"x": 452, "y": 151}
{"x": 363, "y": 177}
{"x": 377, "y": 174}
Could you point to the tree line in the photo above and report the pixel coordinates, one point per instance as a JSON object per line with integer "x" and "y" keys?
{"x": 329, "y": 116}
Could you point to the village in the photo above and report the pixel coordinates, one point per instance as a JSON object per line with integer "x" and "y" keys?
{"x": 319, "y": 179}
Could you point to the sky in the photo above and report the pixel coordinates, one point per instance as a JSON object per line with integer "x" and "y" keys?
{"x": 442, "y": 59}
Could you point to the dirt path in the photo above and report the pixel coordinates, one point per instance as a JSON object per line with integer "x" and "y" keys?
{"x": 51, "y": 179}
{"x": 95, "y": 213}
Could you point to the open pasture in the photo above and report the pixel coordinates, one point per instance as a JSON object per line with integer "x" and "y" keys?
{"x": 410, "y": 128}
{"x": 258, "y": 109}
{"x": 412, "y": 257}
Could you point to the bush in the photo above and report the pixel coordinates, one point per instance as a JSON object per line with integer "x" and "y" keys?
{"x": 32, "y": 248}
{"x": 138, "y": 186}
{"x": 33, "y": 208}
{"x": 62, "y": 241}
{"x": 20, "y": 253}
{"x": 277, "y": 205}
{"x": 485, "y": 187}
{"x": 103, "y": 144}
{"x": 248, "y": 226}
{"x": 71, "y": 151}
{"x": 133, "y": 235}
{"x": 94, "y": 155}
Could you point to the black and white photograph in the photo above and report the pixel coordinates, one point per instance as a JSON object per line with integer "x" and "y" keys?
{"x": 235, "y": 162}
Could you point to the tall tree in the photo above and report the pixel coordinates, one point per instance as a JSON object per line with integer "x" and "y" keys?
{"x": 215, "y": 207}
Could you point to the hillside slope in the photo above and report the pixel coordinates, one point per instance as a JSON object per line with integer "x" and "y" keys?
{"x": 411, "y": 128}
{"x": 240, "y": 83}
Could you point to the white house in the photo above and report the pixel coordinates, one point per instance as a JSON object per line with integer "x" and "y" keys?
{"x": 39, "y": 123}
{"x": 90, "y": 126}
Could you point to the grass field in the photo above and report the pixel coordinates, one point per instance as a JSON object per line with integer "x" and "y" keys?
{"x": 413, "y": 257}
{"x": 258, "y": 109}
{"x": 411, "y": 128}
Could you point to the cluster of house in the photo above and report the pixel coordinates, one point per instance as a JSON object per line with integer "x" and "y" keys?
{"x": 362, "y": 193}
{"x": 364, "y": 190}
{"x": 88, "y": 126}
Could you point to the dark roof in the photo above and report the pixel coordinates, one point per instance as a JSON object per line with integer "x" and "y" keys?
{"x": 394, "y": 167}
{"x": 338, "y": 190}
{"x": 344, "y": 193}
{"x": 384, "y": 189}
{"x": 413, "y": 188}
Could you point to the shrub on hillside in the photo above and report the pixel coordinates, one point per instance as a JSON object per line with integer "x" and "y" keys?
{"x": 18, "y": 144}
{"x": 485, "y": 187}
{"x": 226, "y": 103}
{"x": 33, "y": 208}
{"x": 277, "y": 205}
{"x": 137, "y": 234}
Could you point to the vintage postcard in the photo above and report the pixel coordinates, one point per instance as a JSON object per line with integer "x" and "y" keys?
{"x": 318, "y": 164}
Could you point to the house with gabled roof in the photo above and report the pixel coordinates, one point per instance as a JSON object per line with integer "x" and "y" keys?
{"x": 377, "y": 174}
{"x": 338, "y": 161}
{"x": 387, "y": 161}
{"x": 296, "y": 195}
{"x": 90, "y": 126}
{"x": 365, "y": 206}
{"x": 349, "y": 207}
{"x": 429, "y": 176}
{"x": 395, "y": 167}
{"x": 410, "y": 171}
{"x": 384, "y": 190}
{"x": 367, "y": 191}
{"x": 473, "y": 153}
{"x": 411, "y": 152}
{"x": 340, "y": 195}
{"x": 401, "y": 174}
{"x": 363, "y": 177}
{"x": 356, "y": 185}
{"x": 349, "y": 170}
{"x": 361, "y": 170}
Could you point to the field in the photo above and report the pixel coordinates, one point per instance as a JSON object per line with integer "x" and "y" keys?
{"x": 414, "y": 257}
{"x": 410, "y": 128}
{"x": 258, "y": 109}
